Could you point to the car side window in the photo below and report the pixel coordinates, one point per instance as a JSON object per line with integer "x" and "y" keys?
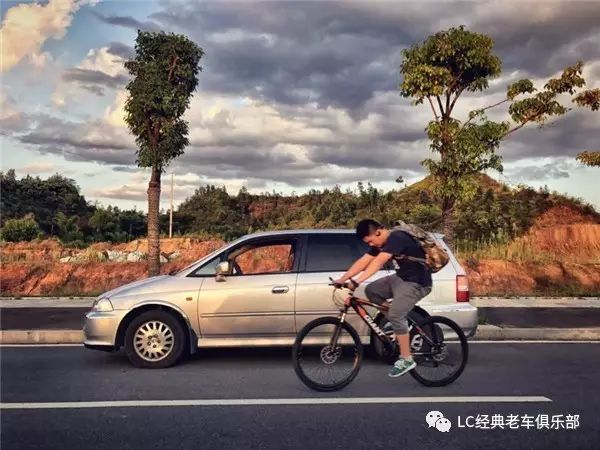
{"x": 333, "y": 252}
{"x": 263, "y": 258}
{"x": 207, "y": 269}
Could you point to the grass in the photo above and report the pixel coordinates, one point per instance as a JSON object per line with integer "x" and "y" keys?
{"x": 556, "y": 291}
{"x": 516, "y": 251}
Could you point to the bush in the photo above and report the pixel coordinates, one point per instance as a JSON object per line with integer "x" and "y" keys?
{"x": 16, "y": 230}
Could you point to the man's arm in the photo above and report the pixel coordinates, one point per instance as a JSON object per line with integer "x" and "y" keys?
{"x": 374, "y": 266}
{"x": 359, "y": 265}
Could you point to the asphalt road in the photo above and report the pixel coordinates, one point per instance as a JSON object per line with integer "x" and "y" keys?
{"x": 21, "y": 318}
{"x": 566, "y": 374}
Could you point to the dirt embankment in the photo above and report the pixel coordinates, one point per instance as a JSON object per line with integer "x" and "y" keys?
{"x": 566, "y": 249}
{"x": 568, "y": 240}
{"x": 34, "y": 268}
{"x": 497, "y": 277}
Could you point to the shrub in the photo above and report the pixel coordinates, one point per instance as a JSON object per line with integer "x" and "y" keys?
{"x": 16, "y": 230}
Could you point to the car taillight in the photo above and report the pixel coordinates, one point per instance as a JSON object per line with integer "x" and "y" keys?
{"x": 462, "y": 288}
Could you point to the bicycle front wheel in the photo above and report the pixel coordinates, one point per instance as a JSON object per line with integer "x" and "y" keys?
{"x": 327, "y": 354}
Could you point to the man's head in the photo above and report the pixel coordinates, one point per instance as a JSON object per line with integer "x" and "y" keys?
{"x": 372, "y": 232}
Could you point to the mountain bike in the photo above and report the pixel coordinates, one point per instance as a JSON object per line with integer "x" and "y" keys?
{"x": 328, "y": 352}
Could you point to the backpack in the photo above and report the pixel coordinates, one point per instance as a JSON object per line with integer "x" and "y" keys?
{"x": 436, "y": 256}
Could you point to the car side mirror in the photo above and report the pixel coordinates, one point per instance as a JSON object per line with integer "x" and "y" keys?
{"x": 221, "y": 270}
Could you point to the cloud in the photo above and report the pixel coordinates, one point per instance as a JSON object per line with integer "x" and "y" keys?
{"x": 548, "y": 37}
{"x": 26, "y": 27}
{"x": 78, "y": 141}
{"x": 94, "y": 80}
{"x": 342, "y": 54}
{"x": 301, "y": 95}
{"x": 129, "y": 22}
{"x": 39, "y": 167}
{"x": 101, "y": 69}
{"x": 11, "y": 120}
{"x": 121, "y": 50}
{"x": 137, "y": 186}
{"x": 557, "y": 168}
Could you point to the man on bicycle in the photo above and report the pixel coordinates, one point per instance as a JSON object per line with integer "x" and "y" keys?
{"x": 410, "y": 283}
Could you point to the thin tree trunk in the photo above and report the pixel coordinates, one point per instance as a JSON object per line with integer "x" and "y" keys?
{"x": 153, "y": 224}
{"x": 448, "y": 222}
{"x": 448, "y": 199}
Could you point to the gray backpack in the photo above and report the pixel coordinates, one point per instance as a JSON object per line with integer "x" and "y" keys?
{"x": 436, "y": 257}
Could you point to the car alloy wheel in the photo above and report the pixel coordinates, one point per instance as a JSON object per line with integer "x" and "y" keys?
{"x": 153, "y": 341}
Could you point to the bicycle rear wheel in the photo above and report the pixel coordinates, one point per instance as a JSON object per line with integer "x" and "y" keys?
{"x": 440, "y": 349}
{"x": 321, "y": 365}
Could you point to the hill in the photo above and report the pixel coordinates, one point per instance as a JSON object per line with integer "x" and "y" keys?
{"x": 511, "y": 240}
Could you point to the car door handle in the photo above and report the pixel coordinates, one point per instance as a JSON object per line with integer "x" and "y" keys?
{"x": 280, "y": 289}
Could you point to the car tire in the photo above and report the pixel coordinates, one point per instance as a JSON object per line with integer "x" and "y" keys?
{"x": 155, "y": 340}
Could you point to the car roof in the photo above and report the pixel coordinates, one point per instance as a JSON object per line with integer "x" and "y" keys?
{"x": 311, "y": 231}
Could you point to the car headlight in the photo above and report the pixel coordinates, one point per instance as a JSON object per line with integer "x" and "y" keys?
{"x": 102, "y": 305}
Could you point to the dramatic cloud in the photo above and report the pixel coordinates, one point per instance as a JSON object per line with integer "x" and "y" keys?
{"x": 11, "y": 120}
{"x": 102, "y": 69}
{"x": 121, "y": 50}
{"x": 94, "y": 80}
{"x": 342, "y": 54}
{"x": 305, "y": 94}
{"x": 77, "y": 141}
{"x": 558, "y": 168}
{"x": 26, "y": 27}
{"x": 129, "y": 22}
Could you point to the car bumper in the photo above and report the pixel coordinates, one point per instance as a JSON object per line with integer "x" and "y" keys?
{"x": 100, "y": 328}
{"x": 464, "y": 314}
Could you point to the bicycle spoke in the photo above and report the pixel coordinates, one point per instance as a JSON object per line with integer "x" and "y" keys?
{"x": 324, "y": 365}
{"x": 440, "y": 355}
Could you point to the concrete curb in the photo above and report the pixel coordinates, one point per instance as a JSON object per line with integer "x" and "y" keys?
{"x": 484, "y": 333}
{"x": 41, "y": 336}
{"x": 492, "y": 332}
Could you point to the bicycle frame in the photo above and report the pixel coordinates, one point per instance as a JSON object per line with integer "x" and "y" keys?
{"x": 389, "y": 342}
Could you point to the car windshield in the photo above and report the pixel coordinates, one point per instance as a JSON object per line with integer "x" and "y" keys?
{"x": 207, "y": 257}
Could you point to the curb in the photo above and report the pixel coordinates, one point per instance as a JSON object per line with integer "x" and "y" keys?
{"x": 492, "y": 332}
{"x": 484, "y": 333}
{"x": 41, "y": 336}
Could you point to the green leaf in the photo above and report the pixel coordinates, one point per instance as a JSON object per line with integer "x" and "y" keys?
{"x": 164, "y": 76}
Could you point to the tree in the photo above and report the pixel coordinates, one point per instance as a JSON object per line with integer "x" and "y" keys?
{"x": 456, "y": 61}
{"x": 164, "y": 76}
{"x": 17, "y": 230}
{"x": 589, "y": 158}
{"x": 105, "y": 225}
{"x": 68, "y": 227}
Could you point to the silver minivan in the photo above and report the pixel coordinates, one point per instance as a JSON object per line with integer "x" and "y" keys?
{"x": 259, "y": 290}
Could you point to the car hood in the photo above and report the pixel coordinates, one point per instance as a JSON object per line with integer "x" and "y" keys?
{"x": 137, "y": 287}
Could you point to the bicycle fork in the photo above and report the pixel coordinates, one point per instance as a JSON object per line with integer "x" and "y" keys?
{"x": 338, "y": 328}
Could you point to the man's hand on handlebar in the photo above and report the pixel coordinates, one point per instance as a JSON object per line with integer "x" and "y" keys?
{"x": 348, "y": 284}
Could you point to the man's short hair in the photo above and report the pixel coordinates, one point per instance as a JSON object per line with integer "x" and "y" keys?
{"x": 366, "y": 227}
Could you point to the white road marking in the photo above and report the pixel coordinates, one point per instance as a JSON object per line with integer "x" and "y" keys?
{"x": 529, "y": 341}
{"x": 513, "y": 341}
{"x": 275, "y": 401}
{"x": 41, "y": 345}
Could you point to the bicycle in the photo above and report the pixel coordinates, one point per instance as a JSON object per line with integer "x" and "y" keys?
{"x": 436, "y": 342}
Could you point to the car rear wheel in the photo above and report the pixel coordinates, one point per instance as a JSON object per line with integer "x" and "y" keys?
{"x": 154, "y": 340}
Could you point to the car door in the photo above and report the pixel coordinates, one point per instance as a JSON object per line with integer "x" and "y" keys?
{"x": 326, "y": 255}
{"x": 257, "y": 297}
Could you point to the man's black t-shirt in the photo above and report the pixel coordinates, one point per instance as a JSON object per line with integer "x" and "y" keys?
{"x": 400, "y": 243}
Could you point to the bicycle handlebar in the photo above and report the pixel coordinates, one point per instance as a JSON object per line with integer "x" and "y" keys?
{"x": 333, "y": 283}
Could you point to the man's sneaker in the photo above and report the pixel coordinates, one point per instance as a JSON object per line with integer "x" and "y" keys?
{"x": 402, "y": 366}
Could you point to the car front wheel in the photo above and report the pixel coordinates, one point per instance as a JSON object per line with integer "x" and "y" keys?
{"x": 154, "y": 340}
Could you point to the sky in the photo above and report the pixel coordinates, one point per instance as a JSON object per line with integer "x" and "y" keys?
{"x": 292, "y": 95}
